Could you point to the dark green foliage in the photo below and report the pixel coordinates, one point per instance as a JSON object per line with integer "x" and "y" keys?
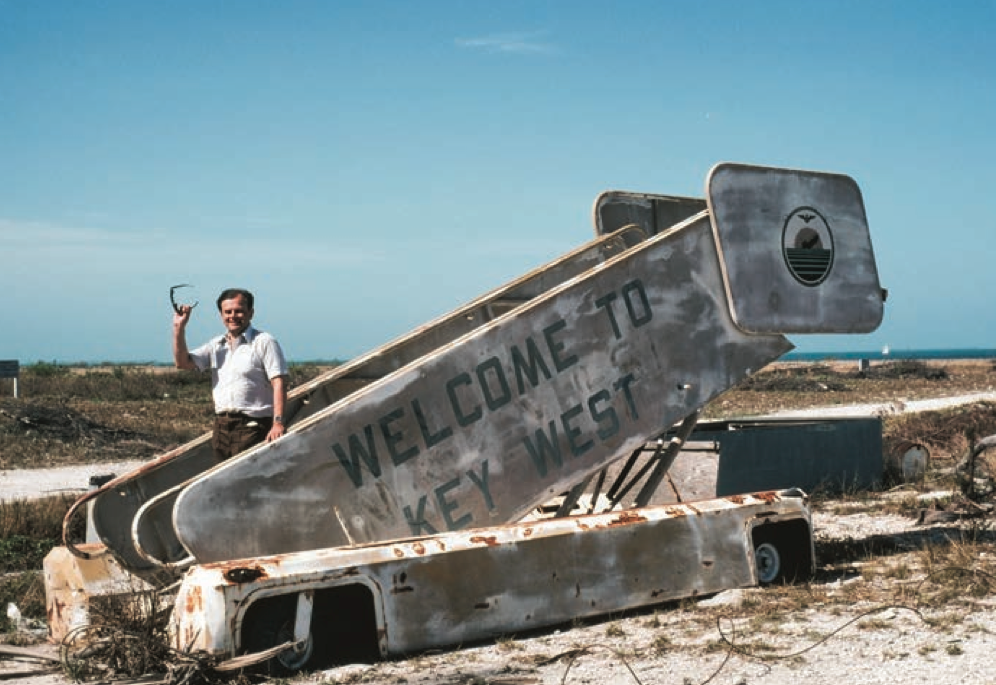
{"x": 810, "y": 378}
{"x": 906, "y": 369}
{"x": 22, "y": 553}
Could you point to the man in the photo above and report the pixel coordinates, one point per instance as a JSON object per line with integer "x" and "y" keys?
{"x": 248, "y": 375}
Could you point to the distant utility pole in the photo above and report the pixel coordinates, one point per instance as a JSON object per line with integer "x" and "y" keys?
{"x": 10, "y": 368}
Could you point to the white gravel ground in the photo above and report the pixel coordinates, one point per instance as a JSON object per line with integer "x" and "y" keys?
{"x": 897, "y": 406}
{"x": 33, "y": 483}
{"x": 677, "y": 646}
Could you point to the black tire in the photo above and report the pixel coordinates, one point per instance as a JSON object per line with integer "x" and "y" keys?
{"x": 783, "y": 551}
{"x": 270, "y": 622}
{"x": 768, "y": 562}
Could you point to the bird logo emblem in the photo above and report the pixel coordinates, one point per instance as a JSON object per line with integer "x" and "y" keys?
{"x": 807, "y": 246}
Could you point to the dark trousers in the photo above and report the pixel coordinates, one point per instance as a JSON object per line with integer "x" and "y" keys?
{"x": 237, "y": 433}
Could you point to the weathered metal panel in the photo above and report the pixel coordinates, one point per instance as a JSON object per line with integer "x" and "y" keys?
{"x": 453, "y": 588}
{"x": 838, "y": 453}
{"x": 491, "y": 425}
{"x": 692, "y": 475}
{"x": 655, "y": 214}
{"x": 72, "y": 585}
{"x": 9, "y": 368}
{"x": 821, "y": 278}
{"x": 117, "y": 506}
{"x": 766, "y": 454}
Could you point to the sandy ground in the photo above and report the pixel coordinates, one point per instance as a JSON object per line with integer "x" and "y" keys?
{"x": 681, "y": 645}
{"x": 32, "y": 483}
{"x": 886, "y": 408}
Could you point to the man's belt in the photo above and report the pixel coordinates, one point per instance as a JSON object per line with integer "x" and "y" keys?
{"x": 234, "y": 415}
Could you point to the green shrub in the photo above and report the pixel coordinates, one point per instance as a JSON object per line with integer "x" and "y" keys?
{"x": 22, "y": 553}
{"x": 27, "y": 591}
{"x": 45, "y": 370}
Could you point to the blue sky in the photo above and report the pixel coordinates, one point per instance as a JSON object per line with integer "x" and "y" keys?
{"x": 365, "y": 167}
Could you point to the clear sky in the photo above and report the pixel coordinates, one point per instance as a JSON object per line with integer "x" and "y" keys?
{"x": 364, "y": 167}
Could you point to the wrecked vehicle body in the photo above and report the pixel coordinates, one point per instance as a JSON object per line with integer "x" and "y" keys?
{"x": 404, "y": 596}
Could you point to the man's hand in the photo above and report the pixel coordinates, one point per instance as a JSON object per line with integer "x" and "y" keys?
{"x": 181, "y": 356}
{"x": 275, "y": 432}
{"x": 279, "y": 384}
{"x": 181, "y": 317}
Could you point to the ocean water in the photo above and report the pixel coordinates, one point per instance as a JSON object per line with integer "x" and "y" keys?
{"x": 888, "y": 354}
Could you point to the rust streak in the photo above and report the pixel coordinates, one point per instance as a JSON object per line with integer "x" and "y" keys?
{"x": 767, "y": 497}
{"x": 194, "y": 601}
{"x": 736, "y": 499}
{"x": 55, "y": 612}
{"x": 489, "y": 540}
{"x": 225, "y": 566}
{"x": 626, "y": 518}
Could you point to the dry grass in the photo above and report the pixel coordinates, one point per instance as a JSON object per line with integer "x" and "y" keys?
{"x": 946, "y": 574}
{"x": 28, "y": 531}
{"x": 40, "y": 518}
{"x": 948, "y": 435}
{"x": 72, "y": 415}
{"x": 76, "y": 416}
{"x": 126, "y": 638}
{"x": 86, "y": 415}
{"x": 797, "y": 385}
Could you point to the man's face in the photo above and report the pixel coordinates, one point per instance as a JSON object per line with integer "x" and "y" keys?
{"x": 235, "y": 315}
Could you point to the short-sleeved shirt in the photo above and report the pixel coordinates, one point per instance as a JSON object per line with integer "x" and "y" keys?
{"x": 240, "y": 378}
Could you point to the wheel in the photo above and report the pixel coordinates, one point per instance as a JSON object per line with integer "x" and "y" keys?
{"x": 293, "y": 659}
{"x": 783, "y": 551}
{"x": 270, "y": 622}
{"x": 768, "y": 562}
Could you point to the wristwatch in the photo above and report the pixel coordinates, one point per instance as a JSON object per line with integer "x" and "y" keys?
{"x": 278, "y": 419}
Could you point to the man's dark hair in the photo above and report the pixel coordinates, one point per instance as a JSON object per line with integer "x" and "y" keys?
{"x": 231, "y": 293}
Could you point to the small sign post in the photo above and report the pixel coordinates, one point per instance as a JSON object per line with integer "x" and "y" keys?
{"x": 9, "y": 368}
